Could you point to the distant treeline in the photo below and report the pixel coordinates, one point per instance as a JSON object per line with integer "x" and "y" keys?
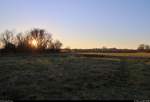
{"x": 36, "y": 40}
{"x": 140, "y": 48}
{"x": 109, "y": 50}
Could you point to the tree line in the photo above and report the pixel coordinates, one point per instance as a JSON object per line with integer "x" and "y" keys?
{"x": 143, "y": 47}
{"x": 36, "y": 40}
{"x": 104, "y": 49}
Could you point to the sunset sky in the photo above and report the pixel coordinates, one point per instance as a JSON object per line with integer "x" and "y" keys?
{"x": 82, "y": 23}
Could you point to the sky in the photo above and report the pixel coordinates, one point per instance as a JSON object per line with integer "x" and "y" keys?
{"x": 81, "y": 23}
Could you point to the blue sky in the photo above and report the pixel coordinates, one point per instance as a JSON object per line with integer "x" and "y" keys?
{"x": 82, "y": 23}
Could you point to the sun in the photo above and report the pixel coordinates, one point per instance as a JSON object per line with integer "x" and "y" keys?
{"x": 34, "y": 43}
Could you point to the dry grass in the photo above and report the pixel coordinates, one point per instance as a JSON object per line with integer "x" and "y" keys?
{"x": 118, "y": 55}
{"x": 58, "y": 76}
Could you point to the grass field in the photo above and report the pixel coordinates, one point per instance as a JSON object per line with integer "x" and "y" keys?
{"x": 143, "y": 55}
{"x": 60, "y": 76}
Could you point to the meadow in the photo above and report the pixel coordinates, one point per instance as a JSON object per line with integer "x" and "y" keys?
{"x": 67, "y": 76}
{"x": 135, "y": 55}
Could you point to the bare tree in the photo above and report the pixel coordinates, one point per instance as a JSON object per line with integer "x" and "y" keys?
{"x": 22, "y": 43}
{"x": 57, "y": 45}
{"x": 42, "y": 38}
{"x": 34, "y": 40}
{"x": 141, "y": 47}
{"x": 7, "y": 39}
{"x": 147, "y": 47}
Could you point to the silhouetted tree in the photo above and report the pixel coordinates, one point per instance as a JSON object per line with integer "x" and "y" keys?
{"x": 143, "y": 47}
{"x": 57, "y": 45}
{"x": 147, "y": 47}
{"x": 42, "y": 38}
{"x": 7, "y": 39}
{"x": 21, "y": 45}
{"x": 36, "y": 40}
